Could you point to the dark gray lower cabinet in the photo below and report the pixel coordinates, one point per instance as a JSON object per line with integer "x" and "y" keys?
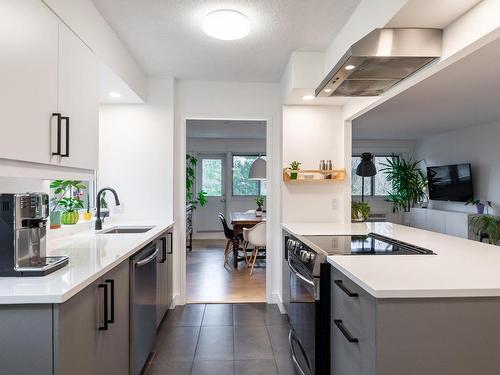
{"x": 73, "y": 338}
{"x": 412, "y": 336}
{"x": 91, "y": 330}
{"x": 164, "y": 276}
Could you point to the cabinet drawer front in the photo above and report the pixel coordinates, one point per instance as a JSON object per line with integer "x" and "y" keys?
{"x": 353, "y": 327}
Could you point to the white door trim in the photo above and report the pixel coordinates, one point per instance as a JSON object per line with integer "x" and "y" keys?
{"x": 274, "y": 253}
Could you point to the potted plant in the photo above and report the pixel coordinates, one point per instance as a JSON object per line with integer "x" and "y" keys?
{"x": 479, "y": 205}
{"x": 408, "y": 182}
{"x": 294, "y": 167}
{"x": 87, "y": 215}
{"x": 260, "y": 202}
{"x": 68, "y": 197}
{"x": 488, "y": 224}
{"x": 191, "y": 199}
{"x": 359, "y": 211}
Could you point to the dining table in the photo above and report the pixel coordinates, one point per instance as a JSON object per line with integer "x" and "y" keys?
{"x": 240, "y": 220}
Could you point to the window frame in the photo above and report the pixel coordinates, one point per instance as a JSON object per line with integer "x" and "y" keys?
{"x": 372, "y": 179}
{"x": 233, "y": 155}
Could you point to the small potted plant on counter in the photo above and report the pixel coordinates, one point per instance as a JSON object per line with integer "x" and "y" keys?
{"x": 359, "y": 211}
{"x": 68, "y": 197}
{"x": 480, "y": 206}
{"x": 294, "y": 167}
{"x": 260, "y": 202}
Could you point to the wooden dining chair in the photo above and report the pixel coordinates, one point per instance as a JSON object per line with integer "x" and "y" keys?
{"x": 256, "y": 237}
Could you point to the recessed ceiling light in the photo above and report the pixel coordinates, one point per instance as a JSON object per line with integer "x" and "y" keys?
{"x": 115, "y": 94}
{"x": 226, "y": 24}
{"x": 327, "y": 90}
{"x": 308, "y": 97}
{"x": 349, "y": 67}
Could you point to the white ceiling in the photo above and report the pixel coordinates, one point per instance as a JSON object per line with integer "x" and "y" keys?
{"x": 226, "y": 129}
{"x": 166, "y": 38}
{"x": 430, "y": 13}
{"x": 464, "y": 94}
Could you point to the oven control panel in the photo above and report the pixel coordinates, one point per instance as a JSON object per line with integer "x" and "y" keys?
{"x": 306, "y": 255}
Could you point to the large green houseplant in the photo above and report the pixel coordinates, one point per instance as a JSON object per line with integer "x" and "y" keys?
{"x": 191, "y": 197}
{"x": 408, "y": 182}
{"x": 488, "y": 224}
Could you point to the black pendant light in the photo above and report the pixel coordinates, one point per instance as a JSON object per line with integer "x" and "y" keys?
{"x": 365, "y": 169}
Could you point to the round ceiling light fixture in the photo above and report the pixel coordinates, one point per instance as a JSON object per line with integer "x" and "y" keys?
{"x": 226, "y": 24}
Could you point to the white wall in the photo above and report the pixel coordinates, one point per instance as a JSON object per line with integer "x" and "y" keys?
{"x": 478, "y": 145}
{"x": 136, "y": 152}
{"x": 228, "y": 147}
{"x": 240, "y": 101}
{"x": 310, "y": 134}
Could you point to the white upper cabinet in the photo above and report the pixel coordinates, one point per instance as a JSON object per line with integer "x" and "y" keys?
{"x": 78, "y": 97}
{"x": 49, "y": 82}
{"x": 28, "y": 79}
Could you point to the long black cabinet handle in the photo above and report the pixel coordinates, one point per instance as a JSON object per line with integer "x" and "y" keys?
{"x": 58, "y": 142}
{"x": 344, "y": 331}
{"x": 112, "y": 285}
{"x": 66, "y": 119}
{"x": 341, "y": 285}
{"x": 163, "y": 250}
{"x": 104, "y": 327}
{"x": 171, "y": 243}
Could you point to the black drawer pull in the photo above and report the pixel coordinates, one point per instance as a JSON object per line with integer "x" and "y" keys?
{"x": 58, "y": 145}
{"x": 344, "y": 331}
{"x": 112, "y": 284}
{"x": 104, "y": 327}
{"x": 66, "y": 119}
{"x": 163, "y": 250}
{"x": 171, "y": 236}
{"x": 341, "y": 285}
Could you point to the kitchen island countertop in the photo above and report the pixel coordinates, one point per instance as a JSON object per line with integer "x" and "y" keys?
{"x": 460, "y": 268}
{"x": 91, "y": 255}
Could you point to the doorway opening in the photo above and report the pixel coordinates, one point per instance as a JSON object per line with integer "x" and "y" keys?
{"x": 226, "y": 230}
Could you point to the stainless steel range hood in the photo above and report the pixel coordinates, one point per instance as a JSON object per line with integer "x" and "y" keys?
{"x": 380, "y": 60}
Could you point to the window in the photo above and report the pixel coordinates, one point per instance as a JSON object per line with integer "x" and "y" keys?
{"x": 242, "y": 186}
{"x": 211, "y": 177}
{"x": 374, "y": 186}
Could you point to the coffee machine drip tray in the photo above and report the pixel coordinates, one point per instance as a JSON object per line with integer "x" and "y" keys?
{"x": 42, "y": 266}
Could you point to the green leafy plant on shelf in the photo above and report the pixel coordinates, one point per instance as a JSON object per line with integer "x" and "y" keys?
{"x": 359, "y": 211}
{"x": 488, "y": 224}
{"x": 67, "y": 196}
{"x": 294, "y": 167}
{"x": 199, "y": 198}
{"x": 408, "y": 182}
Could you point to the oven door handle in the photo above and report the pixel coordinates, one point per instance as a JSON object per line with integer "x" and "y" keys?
{"x": 297, "y": 273}
{"x": 294, "y": 357}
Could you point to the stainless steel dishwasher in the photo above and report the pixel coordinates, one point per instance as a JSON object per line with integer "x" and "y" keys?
{"x": 142, "y": 305}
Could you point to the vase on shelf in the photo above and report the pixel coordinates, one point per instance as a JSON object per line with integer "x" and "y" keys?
{"x": 55, "y": 220}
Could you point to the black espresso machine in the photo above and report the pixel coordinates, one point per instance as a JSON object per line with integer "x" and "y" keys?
{"x": 23, "y": 229}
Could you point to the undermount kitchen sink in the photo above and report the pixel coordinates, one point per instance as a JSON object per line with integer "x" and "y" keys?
{"x": 124, "y": 230}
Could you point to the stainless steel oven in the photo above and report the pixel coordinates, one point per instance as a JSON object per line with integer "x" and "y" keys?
{"x": 307, "y": 302}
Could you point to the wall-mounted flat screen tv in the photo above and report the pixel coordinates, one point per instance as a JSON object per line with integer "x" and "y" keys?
{"x": 450, "y": 182}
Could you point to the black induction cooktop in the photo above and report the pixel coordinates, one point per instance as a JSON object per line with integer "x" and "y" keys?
{"x": 371, "y": 244}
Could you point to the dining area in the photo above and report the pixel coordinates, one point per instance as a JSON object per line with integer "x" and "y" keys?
{"x": 245, "y": 235}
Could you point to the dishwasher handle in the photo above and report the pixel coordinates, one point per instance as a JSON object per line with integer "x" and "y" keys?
{"x": 147, "y": 260}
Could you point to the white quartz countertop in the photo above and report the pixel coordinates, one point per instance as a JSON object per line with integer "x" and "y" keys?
{"x": 460, "y": 268}
{"x": 91, "y": 255}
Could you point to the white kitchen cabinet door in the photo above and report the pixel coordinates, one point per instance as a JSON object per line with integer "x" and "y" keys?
{"x": 28, "y": 79}
{"x": 78, "y": 99}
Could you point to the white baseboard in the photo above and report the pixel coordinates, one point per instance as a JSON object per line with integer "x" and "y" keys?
{"x": 276, "y": 298}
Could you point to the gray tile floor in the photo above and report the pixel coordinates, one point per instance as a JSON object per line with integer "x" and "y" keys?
{"x": 220, "y": 339}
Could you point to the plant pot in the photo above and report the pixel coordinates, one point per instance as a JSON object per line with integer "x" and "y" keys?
{"x": 55, "y": 220}
{"x": 87, "y": 216}
{"x": 70, "y": 217}
{"x": 480, "y": 208}
{"x": 258, "y": 212}
{"x": 293, "y": 175}
{"x": 359, "y": 218}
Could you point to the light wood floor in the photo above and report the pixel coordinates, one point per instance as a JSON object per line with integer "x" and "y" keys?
{"x": 208, "y": 281}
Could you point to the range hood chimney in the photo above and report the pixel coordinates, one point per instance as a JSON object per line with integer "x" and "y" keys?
{"x": 380, "y": 60}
